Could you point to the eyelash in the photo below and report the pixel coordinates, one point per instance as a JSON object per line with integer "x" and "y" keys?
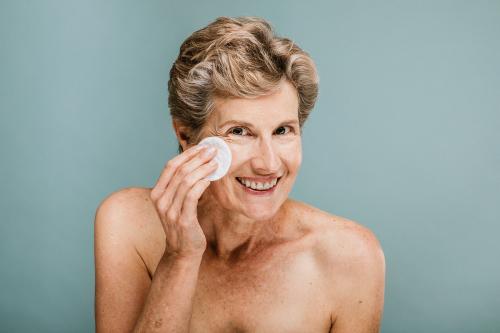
{"x": 230, "y": 130}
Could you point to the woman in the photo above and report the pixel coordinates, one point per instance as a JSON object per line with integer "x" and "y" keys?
{"x": 190, "y": 255}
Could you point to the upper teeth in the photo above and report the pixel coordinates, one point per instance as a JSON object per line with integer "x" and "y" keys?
{"x": 258, "y": 186}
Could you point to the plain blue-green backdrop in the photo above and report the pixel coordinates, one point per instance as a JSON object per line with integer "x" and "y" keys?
{"x": 404, "y": 139}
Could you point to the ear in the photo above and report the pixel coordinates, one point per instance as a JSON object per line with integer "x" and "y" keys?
{"x": 183, "y": 134}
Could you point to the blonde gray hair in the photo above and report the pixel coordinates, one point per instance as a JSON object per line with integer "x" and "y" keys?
{"x": 236, "y": 57}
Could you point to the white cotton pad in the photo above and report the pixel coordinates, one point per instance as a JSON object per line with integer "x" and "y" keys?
{"x": 223, "y": 157}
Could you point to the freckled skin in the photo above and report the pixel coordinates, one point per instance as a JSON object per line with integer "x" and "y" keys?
{"x": 258, "y": 267}
{"x": 158, "y": 323}
{"x": 271, "y": 264}
{"x": 259, "y": 151}
{"x": 282, "y": 287}
{"x": 296, "y": 283}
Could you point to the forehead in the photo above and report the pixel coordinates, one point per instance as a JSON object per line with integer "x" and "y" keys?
{"x": 281, "y": 104}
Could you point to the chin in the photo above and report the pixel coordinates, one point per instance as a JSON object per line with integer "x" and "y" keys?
{"x": 260, "y": 213}
{"x": 257, "y": 208}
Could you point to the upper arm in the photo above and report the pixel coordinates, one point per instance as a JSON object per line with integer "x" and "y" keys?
{"x": 121, "y": 278}
{"x": 362, "y": 298}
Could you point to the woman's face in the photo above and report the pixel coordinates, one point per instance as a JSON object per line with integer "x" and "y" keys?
{"x": 264, "y": 137}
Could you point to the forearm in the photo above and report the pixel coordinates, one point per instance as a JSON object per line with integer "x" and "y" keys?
{"x": 169, "y": 302}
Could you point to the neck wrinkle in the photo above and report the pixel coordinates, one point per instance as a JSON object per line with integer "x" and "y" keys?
{"x": 231, "y": 236}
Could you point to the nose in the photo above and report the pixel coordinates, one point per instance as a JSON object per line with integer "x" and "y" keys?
{"x": 266, "y": 159}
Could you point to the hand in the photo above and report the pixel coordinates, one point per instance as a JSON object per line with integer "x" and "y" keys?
{"x": 176, "y": 196}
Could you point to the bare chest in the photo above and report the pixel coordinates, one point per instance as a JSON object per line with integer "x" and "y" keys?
{"x": 284, "y": 294}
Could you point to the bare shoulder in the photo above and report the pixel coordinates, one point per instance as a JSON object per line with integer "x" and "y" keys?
{"x": 352, "y": 264}
{"x": 122, "y": 277}
{"x": 126, "y": 196}
{"x": 127, "y": 206}
{"x": 341, "y": 242}
{"x": 130, "y": 214}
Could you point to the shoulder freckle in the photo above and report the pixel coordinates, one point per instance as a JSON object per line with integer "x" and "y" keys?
{"x": 359, "y": 235}
{"x": 338, "y": 234}
{"x": 349, "y": 237}
{"x": 126, "y": 205}
{"x": 364, "y": 253}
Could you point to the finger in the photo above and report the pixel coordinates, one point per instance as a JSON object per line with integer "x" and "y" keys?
{"x": 189, "y": 181}
{"x": 167, "y": 197}
{"x": 170, "y": 169}
{"x": 189, "y": 209}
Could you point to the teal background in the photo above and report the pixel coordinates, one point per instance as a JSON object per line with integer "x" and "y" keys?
{"x": 404, "y": 139}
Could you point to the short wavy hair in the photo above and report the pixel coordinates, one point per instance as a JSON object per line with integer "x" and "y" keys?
{"x": 236, "y": 57}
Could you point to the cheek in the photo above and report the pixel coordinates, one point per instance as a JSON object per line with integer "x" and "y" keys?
{"x": 221, "y": 190}
{"x": 293, "y": 156}
{"x": 289, "y": 152}
{"x": 239, "y": 155}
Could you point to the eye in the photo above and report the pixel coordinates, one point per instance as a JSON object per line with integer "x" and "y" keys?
{"x": 284, "y": 127}
{"x": 237, "y": 130}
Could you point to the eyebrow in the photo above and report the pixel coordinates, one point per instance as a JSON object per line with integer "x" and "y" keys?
{"x": 244, "y": 123}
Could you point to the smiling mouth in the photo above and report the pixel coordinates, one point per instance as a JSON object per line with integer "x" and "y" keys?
{"x": 258, "y": 190}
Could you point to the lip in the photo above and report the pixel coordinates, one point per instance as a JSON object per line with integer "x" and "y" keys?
{"x": 259, "y": 193}
{"x": 261, "y": 179}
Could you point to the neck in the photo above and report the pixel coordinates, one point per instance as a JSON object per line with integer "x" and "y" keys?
{"x": 231, "y": 235}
